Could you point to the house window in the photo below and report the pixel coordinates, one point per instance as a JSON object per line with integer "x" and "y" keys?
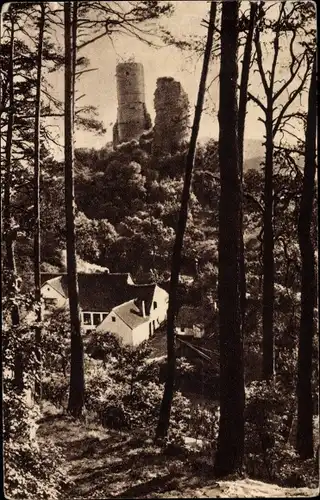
{"x": 155, "y": 305}
{"x": 182, "y": 328}
{"x": 104, "y": 316}
{"x": 113, "y": 318}
{"x": 50, "y": 302}
{"x": 96, "y": 319}
{"x": 87, "y": 318}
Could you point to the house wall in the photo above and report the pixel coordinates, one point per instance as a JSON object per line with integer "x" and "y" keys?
{"x": 195, "y": 331}
{"x": 118, "y": 328}
{"x": 140, "y": 333}
{"x": 161, "y": 297}
{"x": 186, "y": 331}
{"x": 91, "y": 326}
{"x": 48, "y": 292}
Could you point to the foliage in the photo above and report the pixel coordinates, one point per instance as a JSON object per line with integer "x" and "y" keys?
{"x": 269, "y": 452}
{"x": 94, "y": 238}
{"x": 29, "y": 471}
{"x": 124, "y": 392}
{"x": 56, "y": 343}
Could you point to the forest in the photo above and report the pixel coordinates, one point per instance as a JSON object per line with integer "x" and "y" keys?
{"x": 233, "y": 240}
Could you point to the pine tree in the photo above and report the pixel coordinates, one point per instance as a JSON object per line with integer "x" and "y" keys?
{"x": 37, "y": 229}
{"x": 243, "y": 99}
{"x": 230, "y": 449}
{"x": 77, "y": 387}
{"x": 287, "y": 24}
{"x": 304, "y": 442}
{"x": 9, "y": 226}
{"x": 165, "y": 409}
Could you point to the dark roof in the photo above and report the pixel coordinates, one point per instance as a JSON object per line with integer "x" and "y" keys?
{"x": 97, "y": 291}
{"x": 143, "y": 292}
{"x": 189, "y": 316}
{"x": 104, "y": 291}
{"x": 130, "y": 314}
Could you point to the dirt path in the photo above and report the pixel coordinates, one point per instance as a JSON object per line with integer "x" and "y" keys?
{"x": 103, "y": 463}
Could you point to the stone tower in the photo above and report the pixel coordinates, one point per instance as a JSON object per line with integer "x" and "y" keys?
{"x": 133, "y": 118}
{"x": 171, "y": 126}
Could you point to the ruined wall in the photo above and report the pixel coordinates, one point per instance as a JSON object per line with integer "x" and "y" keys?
{"x": 132, "y": 118}
{"x": 172, "y": 116}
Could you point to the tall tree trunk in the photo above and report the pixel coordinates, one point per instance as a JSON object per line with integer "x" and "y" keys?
{"x": 37, "y": 234}
{"x": 230, "y": 448}
{"x": 76, "y": 393}
{"x": 165, "y": 409}
{"x": 243, "y": 99}
{"x": 243, "y": 94}
{"x": 268, "y": 362}
{"x": 304, "y": 442}
{"x": 74, "y": 55}
{"x": 10, "y": 232}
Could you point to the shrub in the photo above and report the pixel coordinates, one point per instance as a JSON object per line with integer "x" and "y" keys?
{"x": 55, "y": 388}
{"x": 29, "y": 472}
{"x": 123, "y": 391}
{"x": 269, "y": 454}
{"x": 56, "y": 343}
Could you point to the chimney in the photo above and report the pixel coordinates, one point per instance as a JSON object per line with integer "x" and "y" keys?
{"x": 143, "y": 309}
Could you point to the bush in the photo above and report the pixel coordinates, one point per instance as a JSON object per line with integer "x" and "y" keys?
{"x": 268, "y": 452}
{"x": 29, "y": 472}
{"x": 56, "y": 343}
{"x": 123, "y": 391}
{"x": 55, "y": 388}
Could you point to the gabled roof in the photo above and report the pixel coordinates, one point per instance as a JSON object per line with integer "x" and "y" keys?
{"x": 130, "y": 314}
{"x": 97, "y": 291}
{"x": 49, "y": 276}
{"x": 56, "y": 281}
{"x": 102, "y": 291}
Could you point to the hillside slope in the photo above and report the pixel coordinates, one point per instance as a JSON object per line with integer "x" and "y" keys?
{"x": 103, "y": 463}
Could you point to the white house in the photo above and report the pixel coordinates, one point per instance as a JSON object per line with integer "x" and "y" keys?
{"x": 53, "y": 292}
{"x": 137, "y": 319}
{"x": 189, "y": 322}
{"x": 100, "y": 294}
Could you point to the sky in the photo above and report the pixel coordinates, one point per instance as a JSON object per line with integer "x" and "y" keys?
{"x": 99, "y": 86}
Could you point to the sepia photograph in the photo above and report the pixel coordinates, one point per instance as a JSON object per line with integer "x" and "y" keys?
{"x": 159, "y": 249}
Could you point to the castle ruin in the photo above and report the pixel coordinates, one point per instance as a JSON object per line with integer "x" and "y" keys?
{"x": 133, "y": 118}
{"x": 172, "y": 116}
{"x": 134, "y": 123}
